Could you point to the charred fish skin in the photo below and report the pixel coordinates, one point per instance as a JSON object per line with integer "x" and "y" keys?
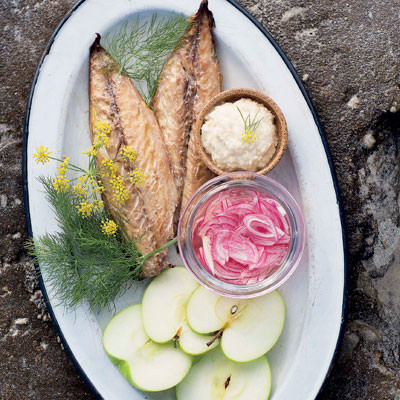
{"x": 208, "y": 81}
{"x": 147, "y": 216}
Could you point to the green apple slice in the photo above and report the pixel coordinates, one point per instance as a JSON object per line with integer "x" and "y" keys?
{"x": 164, "y": 311}
{"x": 249, "y": 327}
{"x": 215, "y": 377}
{"x": 207, "y": 311}
{"x": 147, "y": 365}
{"x": 256, "y": 329}
{"x": 155, "y": 367}
{"x": 195, "y": 344}
{"x": 124, "y": 334}
{"x": 164, "y": 303}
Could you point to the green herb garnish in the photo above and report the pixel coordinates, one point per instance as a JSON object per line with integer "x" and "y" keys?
{"x": 141, "y": 49}
{"x": 89, "y": 258}
{"x": 80, "y": 261}
{"x": 249, "y": 134}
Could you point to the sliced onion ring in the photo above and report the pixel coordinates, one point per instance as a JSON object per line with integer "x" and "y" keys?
{"x": 244, "y": 236}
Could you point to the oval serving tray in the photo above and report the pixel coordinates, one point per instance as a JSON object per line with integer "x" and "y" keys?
{"x": 57, "y": 117}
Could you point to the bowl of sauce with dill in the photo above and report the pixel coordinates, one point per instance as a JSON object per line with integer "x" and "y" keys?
{"x": 241, "y": 130}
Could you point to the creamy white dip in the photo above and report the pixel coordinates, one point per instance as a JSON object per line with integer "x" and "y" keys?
{"x": 222, "y": 131}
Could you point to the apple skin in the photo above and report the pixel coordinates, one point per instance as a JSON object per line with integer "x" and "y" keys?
{"x": 269, "y": 345}
{"x": 164, "y": 283}
{"x": 248, "y": 332}
{"x": 164, "y": 311}
{"x": 122, "y": 365}
{"x": 167, "y": 367}
{"x": 206, "y": 339}
{"x": 125, "y": 370}
{"x": 212, "y": 299}
{"x": 146, "y": 361}
{"x": 125, "y": 366}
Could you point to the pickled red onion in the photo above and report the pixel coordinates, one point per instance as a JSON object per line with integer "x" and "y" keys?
{"x": 242, "y": 236}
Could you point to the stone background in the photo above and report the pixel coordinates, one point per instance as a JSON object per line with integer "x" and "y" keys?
{"x": 348, "y": 55}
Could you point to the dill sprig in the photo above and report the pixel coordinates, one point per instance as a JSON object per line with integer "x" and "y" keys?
{"x": 89, "y": 258}
{"x": 141, "y": 49}
{"x": 249, "y": 134}
{"x": 80, "y": 261}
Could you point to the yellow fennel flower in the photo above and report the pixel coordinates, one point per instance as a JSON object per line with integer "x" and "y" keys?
{"x": 81, "y": 187}
{"x": 137, "y": 177}
{"x": 92, "y": 152}
{"x": 83, "y": 179}
{"x": 128, "y": 153}
{"x": 103, "y": 127}
{"x": 63, "y": 167}
{"x": 120, "y": 194}
{"x": 98, "y": 204}
{"x": 42, "y": 155}
{"x": 99, "y": 189}
{"x": 60, "y": 183}
{"x": 249, "y": 136}
{"x": 109, "y": 166}
{"x": 79, "y": 190}
{"x": 109, "y": 227}
{"x": 85, "y": 208}
{"x": 100, "y": 140}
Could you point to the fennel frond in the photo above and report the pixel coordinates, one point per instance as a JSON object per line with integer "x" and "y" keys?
{"x": 141, "y": 49}
{"x": 249, "y": 134}
{"x": 80, "y": 261}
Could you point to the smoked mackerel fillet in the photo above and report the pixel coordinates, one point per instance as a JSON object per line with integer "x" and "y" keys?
{"x": 173, "y": 104}
{"x": 147, "y": 216}
{"x": 190, "y": 78}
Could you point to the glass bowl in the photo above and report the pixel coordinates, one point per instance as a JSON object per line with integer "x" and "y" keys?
{"x": 239, "y": 180}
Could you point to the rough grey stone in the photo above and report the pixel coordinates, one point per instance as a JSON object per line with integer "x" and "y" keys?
{"x": 348, "y": 55}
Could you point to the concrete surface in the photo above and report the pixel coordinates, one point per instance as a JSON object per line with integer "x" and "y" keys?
{"x": 348, "y": 55}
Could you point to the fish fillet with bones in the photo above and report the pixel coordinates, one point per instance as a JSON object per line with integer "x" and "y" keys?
{"x": 166, "y": 153}
{"x": 190, "y": 78}
{"x": 147, "y": 216}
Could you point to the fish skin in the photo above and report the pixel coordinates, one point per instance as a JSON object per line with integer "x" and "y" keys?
{"x": 189, "y": 79}
{"x": 147, "y": 216}
{"x": 208, "y": 81}
{"x": 173, "y": 103}
{"x": 142, "y": 133}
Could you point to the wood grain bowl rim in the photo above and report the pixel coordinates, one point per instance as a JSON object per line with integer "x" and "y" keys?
{"x": 232, "y": 95}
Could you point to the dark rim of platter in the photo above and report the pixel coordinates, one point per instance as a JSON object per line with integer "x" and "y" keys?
{"x": 323, "y": 139}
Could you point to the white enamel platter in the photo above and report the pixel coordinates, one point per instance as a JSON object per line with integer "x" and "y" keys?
{"x": 57, "y": 117}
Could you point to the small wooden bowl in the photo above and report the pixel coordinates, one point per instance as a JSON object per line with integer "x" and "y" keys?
{"x": 231, "y": 96}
